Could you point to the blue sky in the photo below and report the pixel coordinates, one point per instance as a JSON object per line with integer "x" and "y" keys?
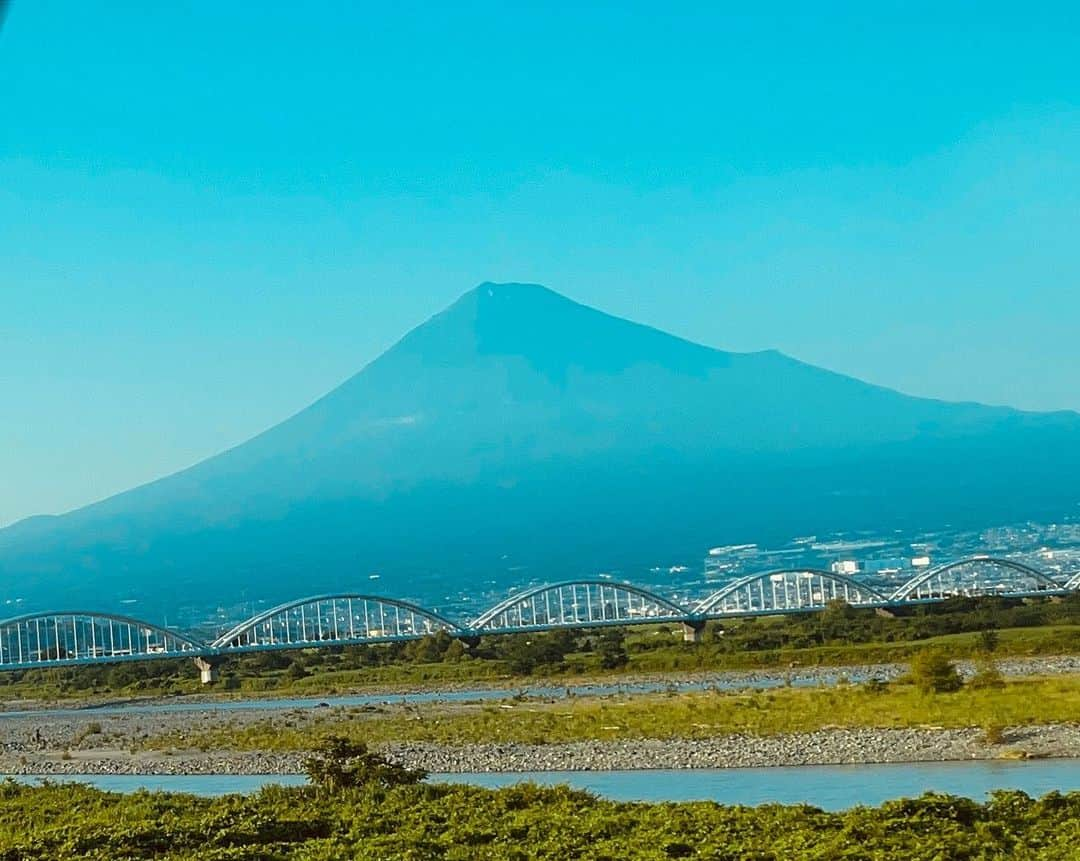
{"x": 210, "y": 214}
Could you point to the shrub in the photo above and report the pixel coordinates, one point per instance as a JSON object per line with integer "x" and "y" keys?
{"x": 612, "y": 650}
{"x": 456, "y": 651}
{"x": 987, "y": 676}
{"x": 296, "y": 671}
{"x": 339, "y": 763}
{"x": 933, "y": 672}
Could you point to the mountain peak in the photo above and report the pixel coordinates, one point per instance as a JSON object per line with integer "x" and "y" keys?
{"x": 516, "y": 302}
{"x": 514, "y": 290}
{"x": 551, "y": 332}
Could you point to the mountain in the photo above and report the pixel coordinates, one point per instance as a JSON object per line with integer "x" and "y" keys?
{"x": 521, "y": 435}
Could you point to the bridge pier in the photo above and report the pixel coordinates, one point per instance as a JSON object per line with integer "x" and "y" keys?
{"x": 692, "y": 630}
{"x": 208, "y": 669}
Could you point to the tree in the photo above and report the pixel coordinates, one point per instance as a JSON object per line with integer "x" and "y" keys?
{"x": 612, "y": 650}
{"x": 523, "y": 655}
{"x": 456, "y": 651}
{"x": 933, "y": 672}
{"x": 430, "y": 648}
{"x": 988, "y": 640}
{"x": 835, "y": 620}
{"x": 339, "y": 763}
{"x": 296, "y": 671}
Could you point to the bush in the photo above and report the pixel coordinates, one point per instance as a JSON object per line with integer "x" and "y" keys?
{"x": 339, "y": 763}
{"x": 988, "y": 640}
{"x": 612, "y": 649}
{"x": 987, "y": 676}
{"x": 296, "y": 671}
{"x": 456, "y": 651}
{"x": 933, "y": 672}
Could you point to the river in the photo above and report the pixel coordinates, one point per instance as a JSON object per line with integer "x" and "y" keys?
{"x": 831, "y": 787}
{"x": 200, "y": 704}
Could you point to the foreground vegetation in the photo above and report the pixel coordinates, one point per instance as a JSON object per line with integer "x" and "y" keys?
{"x": 686, "y": 715}
{"x": 840, "y": 636}
{"x": 424, "y": 822}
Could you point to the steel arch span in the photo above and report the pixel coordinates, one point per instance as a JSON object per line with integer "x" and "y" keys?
{"x": 1073, "y": 583}
{"x": 71, "y": 637}
{"x": 578, "y": 604}
{"x": 324, "y": 620}
{"x": 976, "y": 576}
{"x": 788, "y": 590}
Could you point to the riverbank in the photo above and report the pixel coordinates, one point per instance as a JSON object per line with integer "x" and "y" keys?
{"x": 541, "y": 686}
{"x": 823, "y": 747}
{"x": 877, "y": 722}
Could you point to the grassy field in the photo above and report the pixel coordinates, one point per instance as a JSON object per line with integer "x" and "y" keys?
{"x": 685, "y": 715}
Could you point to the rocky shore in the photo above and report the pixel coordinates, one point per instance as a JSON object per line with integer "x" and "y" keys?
{"x": 111, "y": 741}
{"x": 823, "y": 747}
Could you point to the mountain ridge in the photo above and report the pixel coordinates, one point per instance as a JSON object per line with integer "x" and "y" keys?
{"x": 496, "y": 420}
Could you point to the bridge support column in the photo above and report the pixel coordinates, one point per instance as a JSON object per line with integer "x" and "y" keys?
{"x": 692, "y": 630}
{"x": 208, "y": 669}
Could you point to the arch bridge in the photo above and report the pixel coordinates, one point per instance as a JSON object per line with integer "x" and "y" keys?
{"x": 577, "y": 604}
{"x": 980, "y": 575}
{"x": 72, "y": 637}
{"x": 80, "y": 637}
{"x": 343, "y": 619}
{"x": 789, "y": 590}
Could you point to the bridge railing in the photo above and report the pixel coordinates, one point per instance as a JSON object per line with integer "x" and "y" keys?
{"x": 73, "y": 637}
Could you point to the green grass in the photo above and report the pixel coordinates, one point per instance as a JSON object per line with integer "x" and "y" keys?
{"x": 687, "y": 715}
{"x": 464, "y": 823}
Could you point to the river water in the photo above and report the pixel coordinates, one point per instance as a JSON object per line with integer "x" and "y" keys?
{"x": 823, "y": 677}
{"x": 832, "y": 787}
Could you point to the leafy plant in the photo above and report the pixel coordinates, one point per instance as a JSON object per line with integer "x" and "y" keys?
{"x": 933, "y": 672}
{"x": 989, "y": 640}
{"x": 373, "y": 822}
{"x": 340, "y": 763}
{"x": 987, "y": 676}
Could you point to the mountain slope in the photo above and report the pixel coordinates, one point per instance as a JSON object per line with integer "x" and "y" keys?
{"x": 518, "y": 428}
